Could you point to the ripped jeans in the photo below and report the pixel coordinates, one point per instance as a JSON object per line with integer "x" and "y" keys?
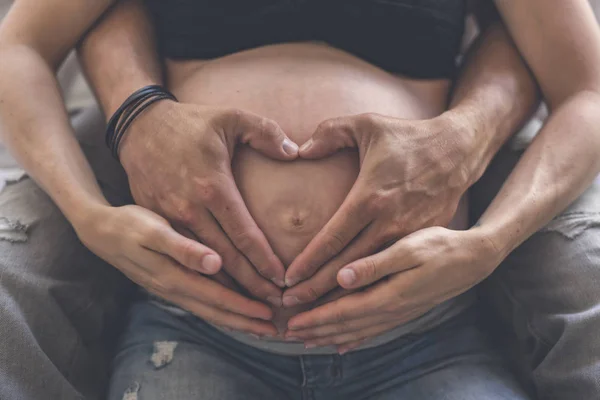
{"x": 163, "y": 355}
{"x": 61, "y": 307}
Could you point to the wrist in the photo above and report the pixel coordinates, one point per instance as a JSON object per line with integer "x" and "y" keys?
{"x": 118, "y": 93}
{"x": 497, "y": 242}
{"x": 458, "y": 134}
{"x": 81, "y": 210}
{"x": 145, "y": 125}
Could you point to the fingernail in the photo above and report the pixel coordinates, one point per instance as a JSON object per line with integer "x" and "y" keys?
{"x": 255, "y": 336}
{"x": 276, "y": 301}
{"x": 290, "y": 301}
{"x": 308, "y": 346}
{"x": 278, "y": 282}
{"x": 290, "y": 147}
{"x": 347, "y": 276}
{"x": 306, "y": 145}
{"x": 211, "y": 263}
{"x": 292, "y": 339}
{"x": 289, "y": 282}
{"x": 342, "y": 352}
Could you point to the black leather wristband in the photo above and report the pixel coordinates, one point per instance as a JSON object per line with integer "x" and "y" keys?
{"x": 131, "y": 108}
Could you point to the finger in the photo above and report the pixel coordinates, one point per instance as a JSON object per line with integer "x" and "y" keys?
{"x": 165, "y": 278}
{"x": 234, "y": 263}
{"x": 330, "y": 136}
{"x": 187, "y": 252}
{"x": 226, "y": 319}
{"x": 235, "y": 220}
{"x": 363, "y": 334}
{"x": 326, "y": 278}
{"x": 400, "y": 316}
{"x": 345, "y": 224}
{"x": 371, "y": 331}
{"x": 396, "y": 258}
{"x": 357, "y": 305}
{"x": 347, "y": 347}
{"x": 340, "y": 328}
{"x": 263, "y": 135}
{"x": 225, "y": 280}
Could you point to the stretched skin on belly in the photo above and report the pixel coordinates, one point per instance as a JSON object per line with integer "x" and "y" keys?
{"x": 299, "y": 86}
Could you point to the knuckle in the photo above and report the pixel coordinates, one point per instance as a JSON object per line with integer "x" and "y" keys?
{"x": 268, "y": 128}
{"x": 339, "y": 317}
{"x": 218, "y": 302}
{"x": 208, "y": 191}
{"x": 234, "y": 262}
{"x": 246, "y": 240}
{"x": 257, "y": 287}
{"x": 334, "y": 244}
{"x": 328, "y": 125}
{"x": 185, "y": 249}
{"x": 369, "y": 268}
{"x": 312, "y": 293}
{"x": 162, "y": 285}
{"x": 368, "y": 120}
{"x": 232, "y": 116}
{"x": 154, "y": 233}
{"x": 379, "y": 201}
{"x": 389, "y": 307}
{"x": 185, "y": 215}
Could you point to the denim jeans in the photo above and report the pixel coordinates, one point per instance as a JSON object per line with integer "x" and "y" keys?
{"x": 61, "y": 307}
{"x": 167, "y": 356}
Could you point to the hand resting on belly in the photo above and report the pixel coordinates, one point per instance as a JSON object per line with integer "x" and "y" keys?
{"x": 299, "y": 86}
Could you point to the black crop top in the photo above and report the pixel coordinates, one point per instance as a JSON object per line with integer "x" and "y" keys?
{"x": 417, "y": 38}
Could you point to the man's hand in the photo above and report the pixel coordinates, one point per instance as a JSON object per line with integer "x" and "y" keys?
{"x": 178, "y": 160}
{"x": 408, "y": 279}
{"x": 412, "y": 176}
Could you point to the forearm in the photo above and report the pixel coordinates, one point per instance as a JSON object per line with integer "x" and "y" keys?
{"x": 557, "y": 167}
{"x": 119, "y": 55}
{"x": 494, "y": 95}
{"x": 35, "y": 37}
{"x": 37, "y": 131}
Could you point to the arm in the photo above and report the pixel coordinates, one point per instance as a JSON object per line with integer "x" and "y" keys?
{"x": 493, "y": 97}
{"x": 197, "y": 192}
{"x": 36, "y": 128}
{"x": 561, "y": 43}
{"x": 35, "y": 124}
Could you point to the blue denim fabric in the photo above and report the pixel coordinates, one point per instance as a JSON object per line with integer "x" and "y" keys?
{"x": 181, "y": 357}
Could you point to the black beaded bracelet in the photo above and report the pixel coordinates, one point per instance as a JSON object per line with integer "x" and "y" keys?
{"x": 131, "y": 108}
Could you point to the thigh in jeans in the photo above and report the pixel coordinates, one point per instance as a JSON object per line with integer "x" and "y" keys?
{"x": 455, "y": 361}
{"x": 167, "y": 356}
{"x": 57, "y": 300}
{"x": 548, "y": 292}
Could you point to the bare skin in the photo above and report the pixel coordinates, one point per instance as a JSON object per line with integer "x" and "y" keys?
{"x": 299, "y": 86}
{"x": 40, "y": 136}
{"x": 490, "y": 102}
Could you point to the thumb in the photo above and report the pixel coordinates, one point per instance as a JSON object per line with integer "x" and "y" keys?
{"x": 264, "y": 135}
{"x": 181, "y": 245}
{"x": 330, "y": 136}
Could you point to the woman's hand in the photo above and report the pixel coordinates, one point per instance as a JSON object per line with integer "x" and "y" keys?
{"x": 151, "y": 253}
{"x": 412, "y": 176}
{"x": 408, "y": 279}
{"x": 178, "y": 160}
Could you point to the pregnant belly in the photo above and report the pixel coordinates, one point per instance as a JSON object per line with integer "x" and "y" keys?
{"x": 299, "y": 86}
